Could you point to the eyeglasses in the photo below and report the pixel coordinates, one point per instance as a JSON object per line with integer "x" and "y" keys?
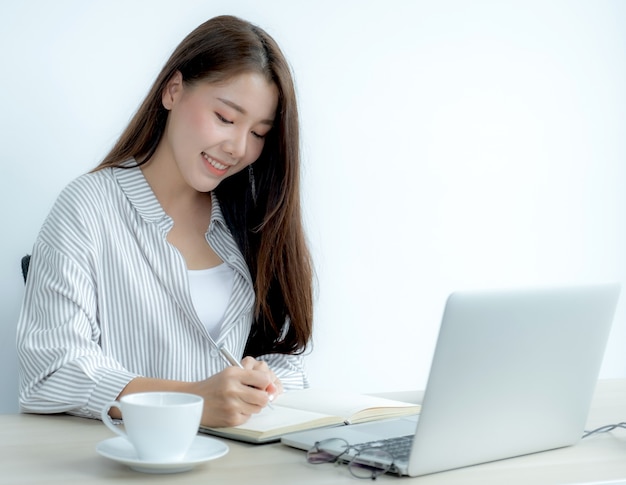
{"x": 368, "y": 462}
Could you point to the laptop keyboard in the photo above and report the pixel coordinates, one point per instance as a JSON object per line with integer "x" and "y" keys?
{"x": 399, "y": 447}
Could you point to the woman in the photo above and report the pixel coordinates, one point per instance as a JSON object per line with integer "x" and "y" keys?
{"x": 186, "y": 238}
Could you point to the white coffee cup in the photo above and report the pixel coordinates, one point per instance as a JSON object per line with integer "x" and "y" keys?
{"x": 161, "y": 426}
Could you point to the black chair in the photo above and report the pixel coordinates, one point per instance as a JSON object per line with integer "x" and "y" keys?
{"x": 25, "y": 264}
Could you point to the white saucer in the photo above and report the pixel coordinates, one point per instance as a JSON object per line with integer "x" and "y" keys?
{"x": 202, "y": 449}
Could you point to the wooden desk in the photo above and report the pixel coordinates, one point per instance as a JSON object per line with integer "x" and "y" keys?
{"x": 38, "y": 449}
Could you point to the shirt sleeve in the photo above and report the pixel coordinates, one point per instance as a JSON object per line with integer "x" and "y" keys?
{"x": 62, "y": 366}
{"x": 289, "y": 369}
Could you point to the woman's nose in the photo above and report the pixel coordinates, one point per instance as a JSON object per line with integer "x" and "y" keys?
{"x": 235, "y": 146}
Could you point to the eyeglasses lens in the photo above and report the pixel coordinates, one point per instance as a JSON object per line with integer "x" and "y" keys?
{"x": 327, "y": 451}
{"x": 370, "y": 463}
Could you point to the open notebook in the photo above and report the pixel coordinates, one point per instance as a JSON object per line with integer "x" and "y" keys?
{"x": 313, "y": 408}
{"x": 513, "y": 373}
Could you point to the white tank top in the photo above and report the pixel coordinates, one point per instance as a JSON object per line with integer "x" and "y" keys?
{"x": 210, "y": 292}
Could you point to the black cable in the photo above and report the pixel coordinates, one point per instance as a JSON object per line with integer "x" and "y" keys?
{"x": 604, "y": 429}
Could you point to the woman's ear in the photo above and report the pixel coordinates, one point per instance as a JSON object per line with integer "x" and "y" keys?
{"x": 172, "y": 90}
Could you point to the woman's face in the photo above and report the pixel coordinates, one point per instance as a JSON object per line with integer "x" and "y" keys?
{"x": 216, "y": 130}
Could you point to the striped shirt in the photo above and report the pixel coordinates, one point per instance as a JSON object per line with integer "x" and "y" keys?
{"x": 107, "y": 299}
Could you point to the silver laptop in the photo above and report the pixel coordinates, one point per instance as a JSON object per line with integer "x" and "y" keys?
{"x": 513, "y": 373}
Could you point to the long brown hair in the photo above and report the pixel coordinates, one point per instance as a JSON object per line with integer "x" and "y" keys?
{"x": 261, "y": 206}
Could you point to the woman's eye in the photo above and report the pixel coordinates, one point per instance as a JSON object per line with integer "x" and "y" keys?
{"x": 260, "y": 137}
{"x": 222, "y": 119}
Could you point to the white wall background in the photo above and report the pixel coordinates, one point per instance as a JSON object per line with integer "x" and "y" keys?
{"x": 447, "y": 145}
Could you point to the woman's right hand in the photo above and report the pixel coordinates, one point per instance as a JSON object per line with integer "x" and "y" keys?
{"x": 230, "y": 396}
{"x": 233, "y": 395}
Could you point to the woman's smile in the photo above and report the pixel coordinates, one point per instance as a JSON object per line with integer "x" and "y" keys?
{"x": 214, "y": 165}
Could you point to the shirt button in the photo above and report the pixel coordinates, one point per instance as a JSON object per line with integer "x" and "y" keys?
{"x": 214, "y": 353}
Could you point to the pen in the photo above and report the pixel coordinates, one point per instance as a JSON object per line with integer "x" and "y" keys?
{"x": 235, "y": 363}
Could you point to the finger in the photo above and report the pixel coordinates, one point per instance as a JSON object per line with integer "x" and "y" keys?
{"x": 272, "y": 392}
{"x": 254, "y": 364}
{"x": 253, "y": 400}
{"x": 273, "y": 387}
{"x": 258, "y": 366}
{"x": 257, "y": 379}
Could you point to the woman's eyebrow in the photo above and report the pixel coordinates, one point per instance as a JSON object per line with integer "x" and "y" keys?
{"x": 241, "y": 110}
